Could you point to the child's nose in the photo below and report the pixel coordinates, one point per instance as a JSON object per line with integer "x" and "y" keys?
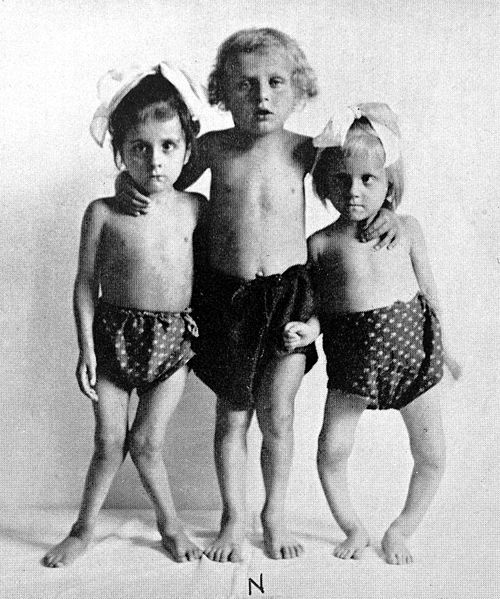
{"x": 263, "y": 91}
{"x": 156, "y": 157}
{"x": 354, "y": 188}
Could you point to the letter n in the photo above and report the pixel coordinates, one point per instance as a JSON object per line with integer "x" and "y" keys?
{"x": 260, "y": 586}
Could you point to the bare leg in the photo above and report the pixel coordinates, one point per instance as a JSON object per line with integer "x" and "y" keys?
{"x": 275, "y": 411}
{"x": 423, "y": 420}
{"x": 336, "y": 440}
{"x": 110, "y": 449}
{"x": 230, "y": 450}
{"x": 146, "y": 444}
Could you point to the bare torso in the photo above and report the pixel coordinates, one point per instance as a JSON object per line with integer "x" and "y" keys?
{"x": 351, "y": 277}
{"x": 147, "y": 263}
{"x": 256, "y": 217}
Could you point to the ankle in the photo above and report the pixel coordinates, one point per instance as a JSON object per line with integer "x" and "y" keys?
{"x": 81, "y": 531}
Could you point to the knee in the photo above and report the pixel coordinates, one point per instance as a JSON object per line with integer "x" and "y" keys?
{"x": 109, "y": 445}
{"x": 332, "y": 453}
{"x": 277, "y": 426}
{"x": 143, "y": 448}
{"x": 431, "y": 460}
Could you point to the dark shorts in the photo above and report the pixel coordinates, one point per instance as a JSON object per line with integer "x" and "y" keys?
{"x": 390, "y": 355}
{"x": 241, "y": 328}
{"x": 138, "y": 348}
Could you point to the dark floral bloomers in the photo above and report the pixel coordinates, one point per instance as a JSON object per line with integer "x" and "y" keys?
{"x": 389, "y": 355}
{"x": 241, "y": 328}
{"x": 138, "y": 348}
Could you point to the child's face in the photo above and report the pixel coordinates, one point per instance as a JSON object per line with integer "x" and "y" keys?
{"x": 259, "y": 91}
{"x": 357, "y": 185}
{"x": 154, "y": 153}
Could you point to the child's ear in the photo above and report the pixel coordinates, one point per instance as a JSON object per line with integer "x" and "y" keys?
{"x": 187, "y": 155}
{"x": 390, "y": 190}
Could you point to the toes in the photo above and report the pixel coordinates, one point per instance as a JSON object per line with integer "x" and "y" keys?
{"x": 358, "y": 554}
{"x": 236, "y": 556}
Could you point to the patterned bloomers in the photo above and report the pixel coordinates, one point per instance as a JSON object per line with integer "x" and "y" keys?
{"x": 137, "y": 348}
{"x": 389, "y": 355}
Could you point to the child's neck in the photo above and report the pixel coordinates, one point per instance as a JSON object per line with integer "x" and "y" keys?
{"x": 162, "y": 198}
{"x": 247, "y": 140}
{"x": 353, "y": 228}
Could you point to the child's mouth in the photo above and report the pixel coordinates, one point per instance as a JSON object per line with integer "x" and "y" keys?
{"x": 262, "y": 113}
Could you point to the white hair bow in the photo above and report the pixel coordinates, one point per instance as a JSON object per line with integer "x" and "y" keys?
{"x": 114, "y": 85}
{"x": 335, "y": 132}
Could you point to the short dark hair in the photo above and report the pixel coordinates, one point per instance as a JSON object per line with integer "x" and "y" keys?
{"x": 153, "y": 97}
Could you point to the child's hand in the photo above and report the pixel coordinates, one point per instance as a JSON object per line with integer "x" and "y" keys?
{"x": 128, "y": 198}
{"x": 86, "y": 375}
{"x": 386, "y": 227}
{"x": 298, "y": 334}
{"x": 452, "y": 365}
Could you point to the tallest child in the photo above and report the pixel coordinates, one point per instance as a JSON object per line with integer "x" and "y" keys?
{"x": 252, "y": 275}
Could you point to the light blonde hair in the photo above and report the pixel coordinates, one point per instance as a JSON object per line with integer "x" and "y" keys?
{"x": 252, "y": 40}
{"x": 361, "y": 137}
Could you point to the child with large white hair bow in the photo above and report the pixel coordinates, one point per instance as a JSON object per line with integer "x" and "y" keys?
{"x": 379, "y": 316}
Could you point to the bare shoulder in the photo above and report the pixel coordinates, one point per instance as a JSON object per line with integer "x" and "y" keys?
{"x": 212, "y": 142}
{"x": 99, "y": 210}
{"x": 318, "y": 241}
{"x": 196, "y": 202}
{"x": 303, "y": 149}
{"x": 411, "y": 227}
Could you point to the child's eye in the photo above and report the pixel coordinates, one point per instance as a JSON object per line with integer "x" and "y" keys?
{"x": 168, "y": 145}
{"x": 276, "y": 82}
{"x": 244, "y": 85}
{"x": 139, "y": 148}
{"x": 367, "y": 179}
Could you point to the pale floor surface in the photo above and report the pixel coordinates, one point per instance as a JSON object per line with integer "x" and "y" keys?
{"x": 127, "y": 562}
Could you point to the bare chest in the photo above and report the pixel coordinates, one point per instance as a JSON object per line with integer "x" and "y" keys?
{"x": 145, "y": 241}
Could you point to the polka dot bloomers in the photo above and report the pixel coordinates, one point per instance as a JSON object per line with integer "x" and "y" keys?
{"x": 389, "y": 355}
{"x": 138, "y": 348}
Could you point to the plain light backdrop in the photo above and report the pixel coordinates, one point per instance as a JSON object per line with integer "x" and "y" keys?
{"x": 435, "y": 62}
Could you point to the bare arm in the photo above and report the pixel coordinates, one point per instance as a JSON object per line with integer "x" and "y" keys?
{"x": 85, "y": 295}
{"x": 300, "y": 334}
{"x": 425, "y": 278}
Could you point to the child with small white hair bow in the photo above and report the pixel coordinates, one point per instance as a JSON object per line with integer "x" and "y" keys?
{"x": 132, "y": 295}
{"x": 379, "y": 316}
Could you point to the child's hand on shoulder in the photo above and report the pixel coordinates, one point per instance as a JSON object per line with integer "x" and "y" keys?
{"x": 298, "y": 334}
{"x": 386, "y": 228}
{"x": 86, "y": 374}
{"x": 452, "y": 365}
{"x": 129, "y": 200}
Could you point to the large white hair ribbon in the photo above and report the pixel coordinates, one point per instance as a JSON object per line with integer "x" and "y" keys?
{"x": 335, "y": 132}
{"x": 114, "y": 85}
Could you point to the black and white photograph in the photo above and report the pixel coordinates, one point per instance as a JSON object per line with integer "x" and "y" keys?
{"x": 250, "y": 299}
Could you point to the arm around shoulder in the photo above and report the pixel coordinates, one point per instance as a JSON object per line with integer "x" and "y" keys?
{"x": 198, "y": 162}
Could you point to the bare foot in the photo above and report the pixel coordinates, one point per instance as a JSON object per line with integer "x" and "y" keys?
{"x": 353, "y": 547}
{"x": 278, "y": 542}
{"x": 179, "y": 546}
{"x": 228, "y": 546}
{"x": 395, "y": 549}
{"x": 64, "y": 553}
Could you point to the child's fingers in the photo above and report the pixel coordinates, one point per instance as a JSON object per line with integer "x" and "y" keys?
{"x": 454, "y": 368}
{"x": 293, "y": 329}
{"x": 376, "y": 229}
{"x": 383, "y": 242}
{"x": 86, "y": 381}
